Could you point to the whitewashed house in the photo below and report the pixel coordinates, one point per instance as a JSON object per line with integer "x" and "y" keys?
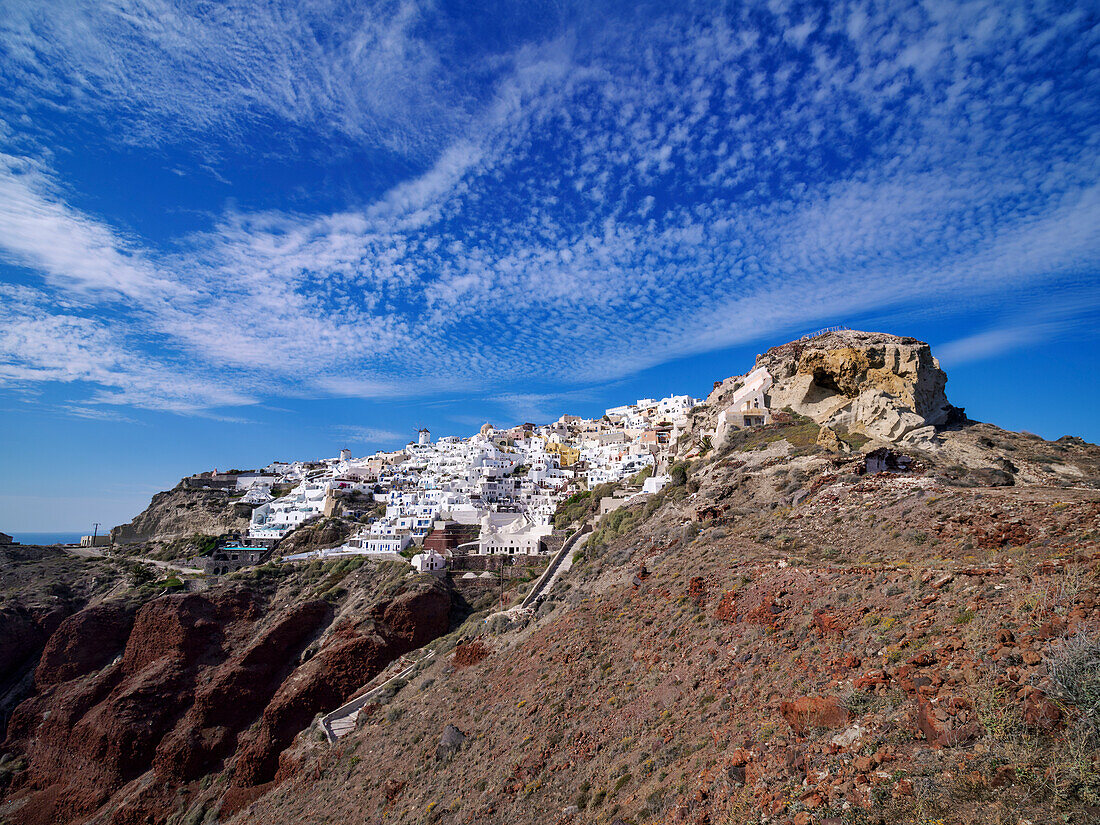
{"x": 429, "y": 562}
{"x": 748, "y": 406}
{"x": 510, "y": 534}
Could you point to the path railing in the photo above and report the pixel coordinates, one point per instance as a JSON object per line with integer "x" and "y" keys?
{"x": 548, "y": 574}
{"x": 823, "y": 332}
{"x": 350, "y": 709}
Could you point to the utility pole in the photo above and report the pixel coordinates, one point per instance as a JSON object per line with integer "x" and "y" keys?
{"x": 95, "y": 531}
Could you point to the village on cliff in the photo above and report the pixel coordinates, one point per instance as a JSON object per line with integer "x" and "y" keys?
{"x": 494, "y": 493}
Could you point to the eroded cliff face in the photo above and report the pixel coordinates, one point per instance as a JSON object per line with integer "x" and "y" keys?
{"x": 181, "y": 513}
{"x": 888, "y": 387}
{"x": 354, "y": 652}
{"x": 39, "y": 588}
{"x": 133, "y": 708}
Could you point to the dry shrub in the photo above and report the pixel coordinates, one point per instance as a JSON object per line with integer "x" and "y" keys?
{"x": 1074, "y": 669}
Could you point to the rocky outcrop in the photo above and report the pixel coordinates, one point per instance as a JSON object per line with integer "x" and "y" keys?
{"x": 352, "y": 654}
{"x": 84, "y": 642}
{"x": 814, "y": 712}
{"x": 181, "y": 513}
{"x": 885, "y": 386}
{"x": 86, "y": 738}
{"x": 131, "y": 707}
{"x": 234, "y": 694}
{"x": 324, "y": 534}
{"x": 23, "y": 632}
{"x": 40, "y": 587}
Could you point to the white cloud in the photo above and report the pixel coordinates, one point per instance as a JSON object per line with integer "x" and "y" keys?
{"x": 75, "y": 252}
{"x": 1070, "y": 315}
{"x": 599, "y": 210}
{"x": 371, "y": 436}
{"x": 162, "y": 72}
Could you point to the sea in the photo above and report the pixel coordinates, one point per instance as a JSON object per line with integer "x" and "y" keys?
{"x": 47, "y": 538}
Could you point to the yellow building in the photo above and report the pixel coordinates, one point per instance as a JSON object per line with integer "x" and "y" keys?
{"x": 567, "y": 455}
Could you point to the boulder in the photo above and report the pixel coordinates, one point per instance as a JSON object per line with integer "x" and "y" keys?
{"x": 827, "y": 440}
{"x": 449, "y": 743}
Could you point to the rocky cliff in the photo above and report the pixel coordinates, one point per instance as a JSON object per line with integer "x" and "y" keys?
{"x": 134, "y": 705}
{"x": 887, "y": 387}
{"x": 180, "y": 513}
{"x": 782, "y": 635}
{"x": 39, "y": 588}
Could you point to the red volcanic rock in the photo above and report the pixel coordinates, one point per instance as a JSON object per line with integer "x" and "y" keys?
{"x": 765, "y": 612}
{"x": 826, "y": 622}
{"x": 470, "y": 653}
{"x": 23, "y": 632}
{"x": 416, "y": 617}
{"x": 1052, "y": 628}
{"x": 727, "y": 608}
{"x": 926, "y": 721}
{"x": 762, "y": 610}
{"x": 87, "y": 737}
{"x": 84, "y": 642}
{"x": 697, "y": 591}
{"x": 180, "y": 628}
{"x": 351, "y": 656}
{"x": 810, "y": 712}
{"x": 235, "y": 693}
{"x": 196, "y": 671}
{"x": 940, "y": 734}
{"x": 1041, "y": 713}
{"x": 20, "y": 636}
{"x": 1011, "y": 535}
{"x": 871, "y": 679}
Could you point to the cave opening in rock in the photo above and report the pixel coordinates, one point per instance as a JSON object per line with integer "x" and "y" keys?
{"x": 824, "y": 379}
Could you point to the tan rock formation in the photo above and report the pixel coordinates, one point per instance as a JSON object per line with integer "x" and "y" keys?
{"x": 888, "y": 387}
{"x": 827, "y": 439}
{"x": 181, "y": 513}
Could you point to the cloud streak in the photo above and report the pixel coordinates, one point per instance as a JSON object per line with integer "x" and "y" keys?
{"x": 371, "y": 436}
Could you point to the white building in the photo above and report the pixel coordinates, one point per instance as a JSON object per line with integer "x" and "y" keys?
{"x": 278, "y": 517}
{"x": 510, "y": 534}
{"x": 748, "y": 406}
{"x": 246, "y": 481}
{"x": 654, "y": 484}
{"x": 429, "y": 562}
{"x": 257, "y": 495}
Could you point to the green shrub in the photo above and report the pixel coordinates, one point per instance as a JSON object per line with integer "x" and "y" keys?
{"x": 139, "y": 573}
{"x": 679, "y": 474}
{"x": 204, "y": 544}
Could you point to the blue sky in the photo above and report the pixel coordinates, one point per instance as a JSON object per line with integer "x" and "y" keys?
{"x": 235, "y": 232}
